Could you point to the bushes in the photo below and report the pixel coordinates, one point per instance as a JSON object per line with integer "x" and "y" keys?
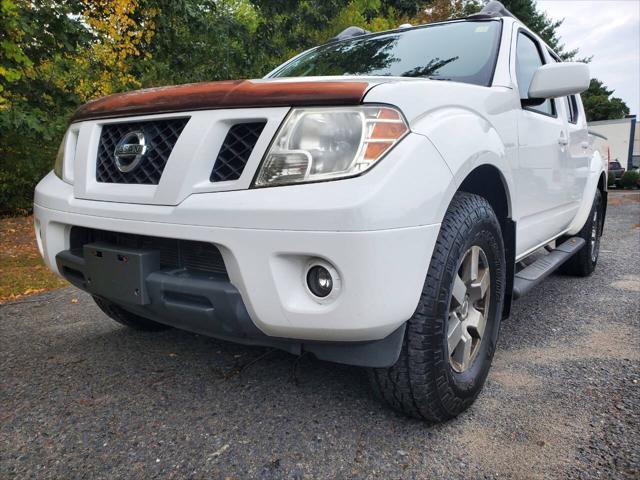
{"x": 611, "y": 178}
{"x": 24, "y": 159}
{"x": 629, "y": 179}
{"x": 17, "y": 183}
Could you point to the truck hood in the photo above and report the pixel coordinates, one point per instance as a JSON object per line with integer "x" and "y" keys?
{"x": 310, "y": 91}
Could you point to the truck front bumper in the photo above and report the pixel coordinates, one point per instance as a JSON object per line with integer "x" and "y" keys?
{"x": 209, "y": 305}
{"x": 377, "y": 231}
{"x": 381, "y": 272}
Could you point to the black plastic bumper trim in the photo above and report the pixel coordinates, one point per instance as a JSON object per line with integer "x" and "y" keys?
{"x": 210, "y": 305}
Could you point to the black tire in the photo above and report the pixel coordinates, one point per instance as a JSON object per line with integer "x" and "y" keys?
{"x": 128, "y": 319}
{"x": 583, "y": 263}
{"x": 423, "y": 383}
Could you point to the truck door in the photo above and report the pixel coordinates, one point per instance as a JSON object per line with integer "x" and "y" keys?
{"x": 578, "y": 151}
{"x": 543, "y": 203}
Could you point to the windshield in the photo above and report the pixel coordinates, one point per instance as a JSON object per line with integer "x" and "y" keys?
{"x": 461, "y": 51}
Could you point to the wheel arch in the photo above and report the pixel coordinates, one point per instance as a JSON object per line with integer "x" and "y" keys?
{"x": 471, "y": 146}
{"x": 480, "y": 159}
{"x": 488, "y": 182}
{"x": 602, "y": 182}
{"x": 597, "y": 180}
{"x": 604, "y": 192}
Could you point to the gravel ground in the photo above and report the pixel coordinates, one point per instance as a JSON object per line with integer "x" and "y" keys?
{"x": 81, "y": 397}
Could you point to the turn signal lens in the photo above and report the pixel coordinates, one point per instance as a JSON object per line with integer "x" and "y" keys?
{"x": 58, "y": 167}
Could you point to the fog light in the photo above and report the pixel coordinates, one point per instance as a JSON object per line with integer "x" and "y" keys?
{"x": 319, "y": 281}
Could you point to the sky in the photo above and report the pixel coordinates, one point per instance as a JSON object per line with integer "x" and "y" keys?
{"x": 610, "y": 31}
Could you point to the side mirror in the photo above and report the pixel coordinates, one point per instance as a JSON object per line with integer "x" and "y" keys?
{"x": 559, "y": 80}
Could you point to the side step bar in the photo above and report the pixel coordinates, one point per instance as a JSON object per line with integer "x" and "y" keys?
{"x": 530, "y": 276}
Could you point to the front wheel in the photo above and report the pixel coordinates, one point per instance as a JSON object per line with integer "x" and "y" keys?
{"x": 451, "y": 338}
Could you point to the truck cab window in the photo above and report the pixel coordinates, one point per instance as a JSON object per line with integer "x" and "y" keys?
{"x": 570, "y": 102}
{"x": 572, "y": 108}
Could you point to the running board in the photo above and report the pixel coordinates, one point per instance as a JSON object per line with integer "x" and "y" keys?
{"x": 530, "y": 276}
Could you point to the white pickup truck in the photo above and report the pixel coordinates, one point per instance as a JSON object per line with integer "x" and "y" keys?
{"x": 372, "y": 201}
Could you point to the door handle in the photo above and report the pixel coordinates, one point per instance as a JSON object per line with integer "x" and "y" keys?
{"x": 584, "y": 145}
{"x": 562, "y": 140}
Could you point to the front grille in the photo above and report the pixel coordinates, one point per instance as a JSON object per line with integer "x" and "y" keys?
{"x": 235, "y": 151}
{"x": 160, "y": 138}
{"x": 194, "y": 256}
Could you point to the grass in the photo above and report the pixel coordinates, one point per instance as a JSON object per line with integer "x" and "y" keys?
{"x": 22, "y": 271}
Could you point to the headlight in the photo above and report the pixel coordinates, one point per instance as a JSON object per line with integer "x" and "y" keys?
{"x": 316, "y": 144}
{"x": 58, "y": 167}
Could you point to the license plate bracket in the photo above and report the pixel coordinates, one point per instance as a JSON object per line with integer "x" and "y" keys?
{"x": 119, "y": 273}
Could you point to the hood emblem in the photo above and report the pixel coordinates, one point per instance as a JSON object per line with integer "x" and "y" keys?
{"x": 130, "y": 150}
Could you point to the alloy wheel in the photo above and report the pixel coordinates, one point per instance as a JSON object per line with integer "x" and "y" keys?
{"x": 595, "y": 237}
{"x": 468, "y": 309}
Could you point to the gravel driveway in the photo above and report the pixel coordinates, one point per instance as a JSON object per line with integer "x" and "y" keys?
{"x": 81, "y": 397}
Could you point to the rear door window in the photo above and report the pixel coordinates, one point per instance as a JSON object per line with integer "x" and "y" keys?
{"x": 572, "y": 108}
{"x": 570, "y": 102}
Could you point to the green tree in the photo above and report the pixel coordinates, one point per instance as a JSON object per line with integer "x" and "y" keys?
{"x": 56, "y": 54}
{"x": 201, "y": 40}
{"x": 35, "y": 36}
{"x": 439, "y": 10}
{"x": 14, "y": 62}
{"x": 121, "y": 31}
{"x": 292, "y": 26}
{"x": 600, "y": 105}
{"x": 405, "y": 8}
{"x": 527, "y": 11}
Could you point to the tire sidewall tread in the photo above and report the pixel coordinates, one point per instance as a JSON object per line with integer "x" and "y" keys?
{"x": 421, "y": 383}
{"x": 581, "y": 264}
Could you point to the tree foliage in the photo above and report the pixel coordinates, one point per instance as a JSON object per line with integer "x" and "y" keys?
{"x": 600, "y": 105}
{"x": 121, "y": 33}
{"x": 57, "y": 54}
{"x": 539, "y": 22}
{"x": 439, "y": 10}
{"x": 37, "y": 38}
{"x": 201, "y": 40}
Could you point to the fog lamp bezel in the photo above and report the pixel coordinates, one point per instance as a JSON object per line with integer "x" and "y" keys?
{"x": 335, "y": 277}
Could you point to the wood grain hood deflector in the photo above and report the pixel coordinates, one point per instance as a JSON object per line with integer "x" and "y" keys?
{"x": 225, "y": 94}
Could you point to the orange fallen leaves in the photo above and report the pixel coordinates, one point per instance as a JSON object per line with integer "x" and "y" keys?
{"x": 22, "y": 271}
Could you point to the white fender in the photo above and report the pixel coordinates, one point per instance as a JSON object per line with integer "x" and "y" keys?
{"x": 479, "y": 145}
{"x": 596, "y": 168}
{"x": 462, "y": 122}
